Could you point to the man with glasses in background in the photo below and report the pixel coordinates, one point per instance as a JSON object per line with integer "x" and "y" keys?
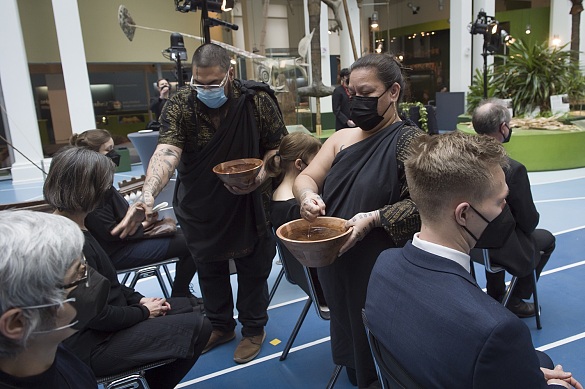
{"x": 528, "y": 248}
{"x": 215, "y": 119}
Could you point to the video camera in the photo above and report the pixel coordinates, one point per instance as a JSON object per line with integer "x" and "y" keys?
{"x": 177, "y": 49}
{"x": 489, "y": 27}
{"x": 212, "y": 5}
{"x": 205, "y": 6}
{"x": 483, "y": 24}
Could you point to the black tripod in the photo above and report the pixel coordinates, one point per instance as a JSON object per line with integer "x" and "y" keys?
{"x": 485, "y": 54}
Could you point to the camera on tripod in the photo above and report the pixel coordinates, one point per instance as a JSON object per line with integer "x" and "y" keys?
{"x": 205, "y": 6}
{"x": 178, "y": 54}
{"x": 489, "y": 27}
{"x": 177, "y": 50}
{"x": 212, "y": 5}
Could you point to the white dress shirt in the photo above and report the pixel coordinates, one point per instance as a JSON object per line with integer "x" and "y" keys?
{"x": 442, "y": 251}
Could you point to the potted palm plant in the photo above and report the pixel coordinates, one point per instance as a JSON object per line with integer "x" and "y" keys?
{"x": 533, "y": 73}
{"x": 529, "y": 76}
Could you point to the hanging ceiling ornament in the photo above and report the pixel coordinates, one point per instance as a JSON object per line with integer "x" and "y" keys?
{"x": 129, "y": 27}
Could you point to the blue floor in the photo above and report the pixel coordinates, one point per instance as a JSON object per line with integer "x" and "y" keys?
{"x": 559, "y": 197}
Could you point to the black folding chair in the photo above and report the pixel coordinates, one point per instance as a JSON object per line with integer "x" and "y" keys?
{"x": 306, "y": 279}
{"x": 390, "y": 373}
{"x": 493, "y": 268}
{"x": 133, "y": 378}
{"x": 152, "y": 270}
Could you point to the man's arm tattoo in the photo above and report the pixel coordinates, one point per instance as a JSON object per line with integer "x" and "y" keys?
{"x": 162, "y": 167}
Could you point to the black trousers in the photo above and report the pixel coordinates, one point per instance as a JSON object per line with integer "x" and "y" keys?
{"x": 170, "y": 336}
{"x": 252, "y": 297}
{"x": 545, "y": 243}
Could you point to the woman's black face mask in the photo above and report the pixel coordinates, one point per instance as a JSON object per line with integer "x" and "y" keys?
{"x": 364, "y": 111}
{"x": 114, "y": 156}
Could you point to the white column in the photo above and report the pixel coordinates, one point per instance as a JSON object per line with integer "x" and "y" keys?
{"x": 16, "y": 85}
{"x": 74, "y": 66}
{"x": 489, "y": 6}
{"x": 560, "y": 22}
{"x": 312, "y": 101}
{"x": 346, "y": 51}
{"x": 326, "y": 104}
{"x": 460, "y": 43}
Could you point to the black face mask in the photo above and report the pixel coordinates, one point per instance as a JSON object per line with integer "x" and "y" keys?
{"x": 507, "y": 139}
{"x": 90, "y": 298}
{"x": 114, "y": 156}
{"x": 497, "y": 231}
{"x": 364, "y": 111}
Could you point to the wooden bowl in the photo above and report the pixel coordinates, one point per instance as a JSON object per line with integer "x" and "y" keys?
{"x": 239, "y": 172}
{"x": 314, "y": 244}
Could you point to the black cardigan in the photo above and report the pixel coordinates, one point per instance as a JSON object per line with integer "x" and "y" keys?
{"x": 123, "y": 309}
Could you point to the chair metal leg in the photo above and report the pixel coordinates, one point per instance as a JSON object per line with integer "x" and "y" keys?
{"x": 535, "y": 297}
{"x": 334, "y": 377}
{"x": 509, "y": 291}
{"x": 161, "y": 281}
{"x": 168, "y": 273}
{"x": 125, "y": 279}
{"x": 295, "y": 330}
{"x": 275, "y": 286}
{"x": 134, "y": 280}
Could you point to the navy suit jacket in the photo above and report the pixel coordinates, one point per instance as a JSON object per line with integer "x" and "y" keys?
{"x": 445, "y": 331}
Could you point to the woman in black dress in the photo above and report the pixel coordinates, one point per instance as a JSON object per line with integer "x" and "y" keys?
{"x": 359, "y": 172}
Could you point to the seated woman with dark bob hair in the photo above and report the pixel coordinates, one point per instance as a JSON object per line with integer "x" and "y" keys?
{"x": 137, "y": 248}
{"x": 132, "y": 330}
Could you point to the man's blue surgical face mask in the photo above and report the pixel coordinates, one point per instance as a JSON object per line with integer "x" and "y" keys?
{"x": 212, "y": 96}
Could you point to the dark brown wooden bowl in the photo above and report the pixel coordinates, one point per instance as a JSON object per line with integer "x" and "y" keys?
{"x": 239, "y": 172}
{"x": 318, "y": 248}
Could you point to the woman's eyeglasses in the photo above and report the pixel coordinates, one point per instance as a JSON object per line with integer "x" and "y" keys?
{"x": 82, "y": 275}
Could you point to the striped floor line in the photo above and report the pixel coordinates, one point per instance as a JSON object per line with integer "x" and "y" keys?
{"x": 251, "y": 363}
{"x": 561, "y": 342}
{"x": 559, "y": 200}
{"x": 557, "y": 181}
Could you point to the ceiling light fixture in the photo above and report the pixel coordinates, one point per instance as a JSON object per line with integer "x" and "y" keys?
{"x": 374, "y": 20}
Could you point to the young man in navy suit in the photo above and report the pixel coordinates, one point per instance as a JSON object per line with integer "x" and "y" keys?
{"x": 424, "y": 306}
{"x": 528, "y": 248}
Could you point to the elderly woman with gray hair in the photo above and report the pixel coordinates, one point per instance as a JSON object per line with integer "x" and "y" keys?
{"x": 47, "y": 293}
{"x": 132, "y": 330}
